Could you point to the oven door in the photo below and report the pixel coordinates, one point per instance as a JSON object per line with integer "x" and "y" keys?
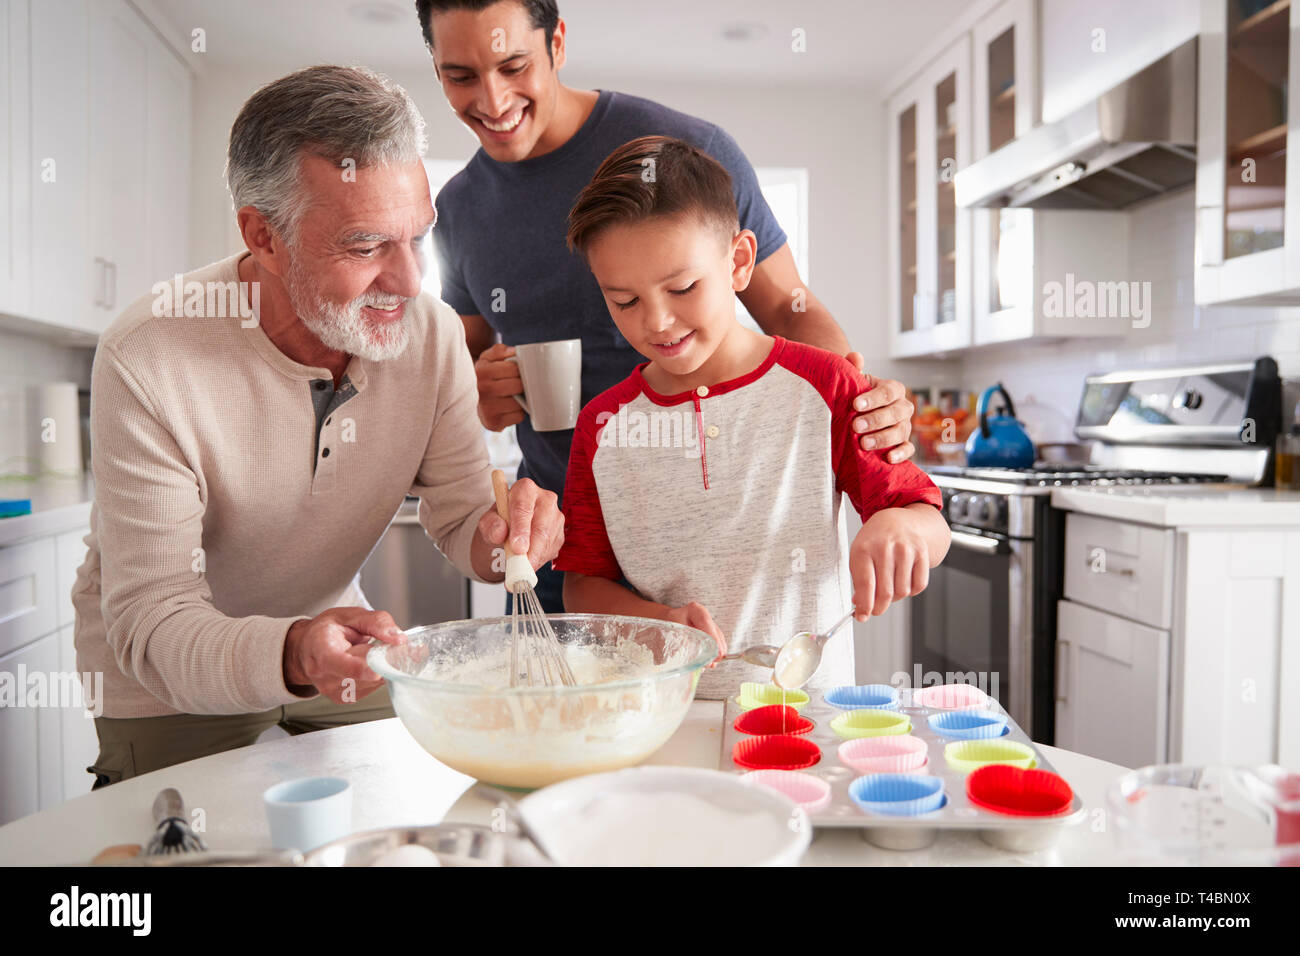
{"x": 973, "y": 624}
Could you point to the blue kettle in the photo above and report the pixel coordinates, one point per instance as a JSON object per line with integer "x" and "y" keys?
{"x": 1000, "y": 441}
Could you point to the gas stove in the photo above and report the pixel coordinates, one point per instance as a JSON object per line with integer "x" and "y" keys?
{"x": 990, "y": 608}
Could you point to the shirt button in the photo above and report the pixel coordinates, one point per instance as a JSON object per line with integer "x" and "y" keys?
{"x": 325, "y": 453}
{"x": 711, "y": 431}
{"x": 320, "y": 386}
{"x": 702, "y": 391}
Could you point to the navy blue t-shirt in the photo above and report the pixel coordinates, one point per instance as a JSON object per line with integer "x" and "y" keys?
{"x": 502, "y": 253}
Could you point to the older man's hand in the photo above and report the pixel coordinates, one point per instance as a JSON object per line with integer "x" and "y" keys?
{"x": 536, "y": 524}
{"x": 328, "y": 652}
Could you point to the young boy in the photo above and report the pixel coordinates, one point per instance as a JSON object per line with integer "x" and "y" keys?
{"x": 734, "y": 530}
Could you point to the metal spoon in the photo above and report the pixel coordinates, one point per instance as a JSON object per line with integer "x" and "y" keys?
{"x": 760, "y": 655}
{"x": 802, "y": 655}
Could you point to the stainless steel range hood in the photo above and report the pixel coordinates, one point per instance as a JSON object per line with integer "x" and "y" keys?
{"x": 1136, "y": 141}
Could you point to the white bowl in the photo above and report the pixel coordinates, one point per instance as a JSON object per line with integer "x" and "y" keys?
{"x": 667, "y": 816}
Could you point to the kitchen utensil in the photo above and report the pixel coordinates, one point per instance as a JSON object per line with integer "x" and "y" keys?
{"x": 516, "y": 815}
{"x": 535, "y": 654}
{"x": 920, "y": 752}
{"x": 774, "y": 719}
{"x": 760, "y": 655}
{"x": 672, "y": 816}
{"x": 1000, "y": 441}
{"x": 552, "y": 376}
{"x": 450, "y": 686}
{"x": 802, "y": 655}
{"x": 898, "y": 794}
{"x": 455, "y": 844}
{"x": 1019, "y": 793}
{"x": 172, "y": 833}
{"x": 1184, "y": 814}
{"x": 305, "y": 813}
{"x": 969, "y": 724}
{"x": 198, "y": 858}
{"x": 775, "y": 752}
{"x": 969, "y": 755}
{"x": 863, "y": 697}
{"x": 871, "y": 723}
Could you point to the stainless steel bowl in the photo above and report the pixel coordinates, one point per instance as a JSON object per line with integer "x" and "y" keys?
{"x": 449, "y": 685}
{"x": 455, "y": 844}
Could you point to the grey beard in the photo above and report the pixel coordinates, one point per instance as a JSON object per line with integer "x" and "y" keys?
{"x": 343, "y": 327}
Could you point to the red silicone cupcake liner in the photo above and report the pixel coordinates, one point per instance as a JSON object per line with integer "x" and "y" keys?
{"x": 1018, "y": 793}
{"x": 776, "y": 752}
{"x": 773, "y": 719}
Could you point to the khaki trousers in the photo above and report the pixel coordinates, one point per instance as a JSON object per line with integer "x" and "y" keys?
{"x": 129, "y": 746}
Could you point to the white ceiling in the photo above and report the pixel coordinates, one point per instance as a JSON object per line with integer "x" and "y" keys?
{"x": 862, "y": 43}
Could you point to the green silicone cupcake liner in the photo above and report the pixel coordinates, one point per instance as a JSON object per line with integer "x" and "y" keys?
{"x": 870, "y": 723}
{"x": 968, "y": 755}
{"x": 764, "y": 695}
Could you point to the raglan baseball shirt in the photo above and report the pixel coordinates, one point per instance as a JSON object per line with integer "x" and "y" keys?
{"x": 729, "y": 495}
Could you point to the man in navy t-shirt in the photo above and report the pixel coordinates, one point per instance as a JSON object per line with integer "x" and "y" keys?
{"x": 504, "y": 264}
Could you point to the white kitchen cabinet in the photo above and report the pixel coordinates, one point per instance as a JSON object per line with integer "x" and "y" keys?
{"x": 95, "y": 166}
{"x": 31, "y": 774}
{"x": 929, "y": 248}
{"x": 62, "y": 269}
{"x": 28, "y": 603}
{"x": 1112, "y": 686}
{"x": 1247, "y": 208}
{"x": 15, "y": 158}
{"x": 1005, "y": 71}
{"x": 1187, "y": 637}
{"x": 1237, "y": 657}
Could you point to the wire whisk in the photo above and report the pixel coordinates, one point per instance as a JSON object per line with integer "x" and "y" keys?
{"x": 536, "y": 658}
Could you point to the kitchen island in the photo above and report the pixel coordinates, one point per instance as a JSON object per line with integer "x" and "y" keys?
{"x": 396, "y": 783}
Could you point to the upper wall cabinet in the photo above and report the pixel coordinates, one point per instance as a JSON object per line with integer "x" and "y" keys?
{"x": 929, "y": 248}
{"x": 1247, "y": 207}
{"x": 94, "y": 177}
{"x": 1005, "y": 75}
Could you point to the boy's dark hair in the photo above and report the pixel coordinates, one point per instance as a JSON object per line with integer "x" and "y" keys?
{"x": 653, "y": 176}
{"x": 543, "y": 13}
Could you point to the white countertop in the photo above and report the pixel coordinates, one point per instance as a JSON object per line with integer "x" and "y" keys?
{"x": 396, "y": 783}
{"x": 1185, "y": 506}
{"x": 58, "y": 504}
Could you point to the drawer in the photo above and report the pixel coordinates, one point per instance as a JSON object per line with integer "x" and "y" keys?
{"x": 1120, "y": 568}
{"x": 28, "y": 604}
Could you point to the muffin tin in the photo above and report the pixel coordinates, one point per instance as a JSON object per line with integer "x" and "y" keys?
{"x": 906, "y": 810}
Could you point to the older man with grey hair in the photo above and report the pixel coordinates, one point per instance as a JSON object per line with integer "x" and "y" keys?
{"x": 247, "y": 462}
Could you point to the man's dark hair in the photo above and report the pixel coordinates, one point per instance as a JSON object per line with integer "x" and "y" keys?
{"x": 543, "y": 13}
{"x": 649, "y": 177}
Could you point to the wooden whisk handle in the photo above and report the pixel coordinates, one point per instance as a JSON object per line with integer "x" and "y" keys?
{"x": 499, "y": 487}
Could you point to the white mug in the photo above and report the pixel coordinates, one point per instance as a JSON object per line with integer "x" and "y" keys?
{"x": 552, "y": 377}
{"x": 304, "y": 814}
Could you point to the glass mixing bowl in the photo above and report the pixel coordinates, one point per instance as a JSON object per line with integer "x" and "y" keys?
{"x": 449, "y": 684}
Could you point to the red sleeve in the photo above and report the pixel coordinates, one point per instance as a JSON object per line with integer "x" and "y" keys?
{"x": 586, "y": 548}
{"x": 867, "y": 477}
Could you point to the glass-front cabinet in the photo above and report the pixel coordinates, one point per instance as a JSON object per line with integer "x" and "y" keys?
{"x": 1247, "y": 232}
{"x": 1005, "y": 106}
{"x": 929, "y": 248}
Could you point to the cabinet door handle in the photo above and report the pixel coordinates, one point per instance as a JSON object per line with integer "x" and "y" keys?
{"x": 112, "y": 288}
{"x": 1097, "y": 564}
{"x": 1062, "y": 672}
{"x": 101, "y": 277}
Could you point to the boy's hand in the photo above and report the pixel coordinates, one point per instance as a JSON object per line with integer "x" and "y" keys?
{"x": 498, "y": 379}
{"x": 889, "y": 560}
{"x": 697, "y": 615}
{"x": 886, "y": 421}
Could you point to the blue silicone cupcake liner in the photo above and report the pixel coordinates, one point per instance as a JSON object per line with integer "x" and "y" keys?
{"x": 969, "y": 724}
{"x": 898, "y": 794}
{"x": 863, "y": 697}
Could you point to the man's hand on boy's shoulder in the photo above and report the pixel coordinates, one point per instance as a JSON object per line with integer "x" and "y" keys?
{"x": 886, "y": 415}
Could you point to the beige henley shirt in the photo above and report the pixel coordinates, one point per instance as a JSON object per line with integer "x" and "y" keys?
{"x": 217, "y": 522}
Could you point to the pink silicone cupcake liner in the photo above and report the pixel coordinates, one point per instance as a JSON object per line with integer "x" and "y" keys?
{"x": 811, "y": 793}
{"x": 905, "y": 754}
{"x": 952, "y": 697}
